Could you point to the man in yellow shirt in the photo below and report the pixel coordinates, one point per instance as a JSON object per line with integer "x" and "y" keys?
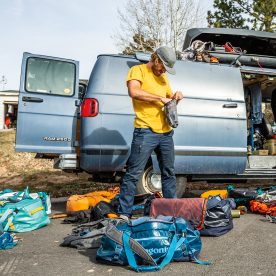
{"x": 149, "y": 89}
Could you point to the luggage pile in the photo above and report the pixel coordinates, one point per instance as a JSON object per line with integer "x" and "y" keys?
{"x": 21, "y": 212}
{"x": 165, "y": 230}
{"x": 265, "y": 204}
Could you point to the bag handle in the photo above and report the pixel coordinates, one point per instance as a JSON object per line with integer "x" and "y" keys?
{"x": 131, "y": 259}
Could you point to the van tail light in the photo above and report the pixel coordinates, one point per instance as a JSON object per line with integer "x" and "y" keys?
{"x": 89, "y": 107}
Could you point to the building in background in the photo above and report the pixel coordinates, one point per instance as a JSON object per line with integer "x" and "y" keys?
{"x": 8, "y": 108}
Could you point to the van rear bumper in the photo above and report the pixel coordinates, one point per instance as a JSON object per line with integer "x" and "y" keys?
{"x": 66, "y": 162}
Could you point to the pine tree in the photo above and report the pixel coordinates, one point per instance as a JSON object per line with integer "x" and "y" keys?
{"x": 227, "y": 14}
{"x": 254, "y": 14}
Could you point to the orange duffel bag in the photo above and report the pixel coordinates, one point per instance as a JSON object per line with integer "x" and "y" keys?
{"x": 95, "y": 197}
{"x": 77, "y": 203}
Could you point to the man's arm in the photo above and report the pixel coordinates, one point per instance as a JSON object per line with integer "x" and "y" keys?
{"x": 135, "y": 92}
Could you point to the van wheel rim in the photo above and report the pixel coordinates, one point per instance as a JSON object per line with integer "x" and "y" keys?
{"x": 152, "y": 181}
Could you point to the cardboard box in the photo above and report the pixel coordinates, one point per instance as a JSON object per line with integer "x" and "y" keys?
{"x": 270, "y": 145}
{"x": 260, "y": 152}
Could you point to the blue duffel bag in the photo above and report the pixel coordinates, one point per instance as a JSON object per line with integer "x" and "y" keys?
{"x": 148, "y": 244}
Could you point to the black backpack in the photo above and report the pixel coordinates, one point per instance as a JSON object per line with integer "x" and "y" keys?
{"x": 218, "y": 219}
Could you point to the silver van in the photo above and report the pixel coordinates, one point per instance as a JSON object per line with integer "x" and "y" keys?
{"x": 223, "y": 131}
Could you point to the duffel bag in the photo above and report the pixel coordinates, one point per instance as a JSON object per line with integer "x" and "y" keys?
{"x": 22, "y": 214}
{"x": 8, "y": 193}
{"x": 218, "y": 218}
{"x": 148, "y": 244}
{"x": 191, "y": 209}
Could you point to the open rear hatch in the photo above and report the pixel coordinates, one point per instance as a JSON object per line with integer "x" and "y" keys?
{"x": 228, "y": 44}
{"x": 256, "y": 55}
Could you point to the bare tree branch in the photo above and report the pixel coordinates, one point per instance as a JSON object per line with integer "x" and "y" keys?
{"x": 147, "y": 24}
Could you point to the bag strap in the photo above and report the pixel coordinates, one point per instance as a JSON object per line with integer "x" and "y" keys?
{"x": 117, "y": 236}
{"x": 191, "y": 253}
{"x": 131, "y": 259}
{"x": 3, "y": 218}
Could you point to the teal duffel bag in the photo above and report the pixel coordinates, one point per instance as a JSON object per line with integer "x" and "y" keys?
{"x": 22, "y": 215}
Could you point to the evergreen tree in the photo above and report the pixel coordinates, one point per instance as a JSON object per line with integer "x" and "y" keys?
{"x": 254, "y": 14}
{"x": 227, "y": 14}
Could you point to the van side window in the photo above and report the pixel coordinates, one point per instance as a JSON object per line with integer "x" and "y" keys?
{"x": 50, "y": 77}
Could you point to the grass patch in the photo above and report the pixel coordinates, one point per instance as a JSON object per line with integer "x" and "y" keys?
{"x": 19, "y": 170}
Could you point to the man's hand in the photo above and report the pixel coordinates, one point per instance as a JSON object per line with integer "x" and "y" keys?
{"x": 178, "y": 95}
{"x": 165, "y": 100}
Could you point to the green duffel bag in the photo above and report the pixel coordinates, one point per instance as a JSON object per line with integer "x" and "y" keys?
{"x": 22, "y": 215}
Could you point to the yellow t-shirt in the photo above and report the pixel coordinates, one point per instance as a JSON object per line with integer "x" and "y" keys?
{"x": 150, "y": 114}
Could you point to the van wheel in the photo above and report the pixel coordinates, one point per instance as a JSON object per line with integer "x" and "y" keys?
{"x": 150, "y": 182}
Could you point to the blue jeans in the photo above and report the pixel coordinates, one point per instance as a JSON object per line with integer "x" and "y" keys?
{"x": 143, "y": 144}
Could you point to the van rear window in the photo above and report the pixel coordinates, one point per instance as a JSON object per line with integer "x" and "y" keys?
{"x": 50, "y": 76}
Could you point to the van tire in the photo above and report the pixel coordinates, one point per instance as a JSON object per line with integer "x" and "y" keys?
{"x": 145, "y": 184}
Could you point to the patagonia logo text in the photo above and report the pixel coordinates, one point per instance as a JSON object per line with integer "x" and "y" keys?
{"x": 157, "y": 250}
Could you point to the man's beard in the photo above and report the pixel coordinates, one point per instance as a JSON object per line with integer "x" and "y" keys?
{"x": 155, "y": 71}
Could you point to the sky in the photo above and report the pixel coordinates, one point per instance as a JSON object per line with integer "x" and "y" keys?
{"x": 73, "y": 29}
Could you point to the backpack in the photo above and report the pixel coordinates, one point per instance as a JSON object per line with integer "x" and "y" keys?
{"x": 148, "y": 244}
{"x": 102, "y": 210}
{"x": 218, "y": 219}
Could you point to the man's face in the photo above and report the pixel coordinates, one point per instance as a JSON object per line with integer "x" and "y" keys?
{"x": 158, "y": 68}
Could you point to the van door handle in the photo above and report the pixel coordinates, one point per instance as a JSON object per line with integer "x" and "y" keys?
{"x": 32, "y": 99}
{"x": 231, "y": 105}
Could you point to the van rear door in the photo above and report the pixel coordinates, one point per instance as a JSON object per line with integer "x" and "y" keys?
{"x": 47, "y": 107}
